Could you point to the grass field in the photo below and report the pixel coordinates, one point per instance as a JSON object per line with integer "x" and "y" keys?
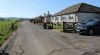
{"x": 5, "y": 29}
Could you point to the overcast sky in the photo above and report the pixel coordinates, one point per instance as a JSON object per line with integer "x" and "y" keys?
{"x": 33, "y": 8}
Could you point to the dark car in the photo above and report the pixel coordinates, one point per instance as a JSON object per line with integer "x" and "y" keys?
{"x": 89, "y": 27}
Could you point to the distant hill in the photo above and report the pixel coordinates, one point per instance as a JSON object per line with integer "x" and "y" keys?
{"x": 12, "y": 18}
{"x": 2, "y": 19}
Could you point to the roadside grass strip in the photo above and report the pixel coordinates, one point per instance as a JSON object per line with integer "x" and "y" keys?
{"x": 57, "y": 25}
{"x": 5, "y": 30}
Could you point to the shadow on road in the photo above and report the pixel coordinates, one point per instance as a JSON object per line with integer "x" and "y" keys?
{"x": 4, "y": 54}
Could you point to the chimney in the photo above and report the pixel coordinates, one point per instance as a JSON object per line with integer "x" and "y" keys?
{"x": 48, "y": 13}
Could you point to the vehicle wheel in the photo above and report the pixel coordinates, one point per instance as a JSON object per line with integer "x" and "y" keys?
{"x": 91, "y": 32}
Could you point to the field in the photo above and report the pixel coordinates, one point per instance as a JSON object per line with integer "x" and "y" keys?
{"x": 5, "y": 30}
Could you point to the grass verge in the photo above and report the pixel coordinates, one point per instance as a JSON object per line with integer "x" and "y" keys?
{"x": 5, "y": 30}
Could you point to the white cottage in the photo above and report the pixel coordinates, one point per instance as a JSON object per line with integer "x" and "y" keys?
{"x": 77, "y": 13}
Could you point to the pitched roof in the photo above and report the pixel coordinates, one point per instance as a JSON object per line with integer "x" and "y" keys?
{"x": 81, "y": 7}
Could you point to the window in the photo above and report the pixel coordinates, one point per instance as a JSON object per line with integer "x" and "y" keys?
{"x": 70, "y": 17}
{"x": 63, "y": 18}
{"x": 56, "y": 18}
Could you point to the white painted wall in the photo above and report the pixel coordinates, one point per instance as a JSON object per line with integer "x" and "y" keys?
{"x": 53, "y": 19}
{"x": 59, "y": 19}
{"x": 66, "y": 18}
{"x": 56, "y": 19}
{"x": 47, "y": 19}
{"x": 71, "y": 18}
{"x": 78, "y": 17}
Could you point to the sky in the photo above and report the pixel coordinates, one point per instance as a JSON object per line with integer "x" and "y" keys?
{"x": 34, "y": 8}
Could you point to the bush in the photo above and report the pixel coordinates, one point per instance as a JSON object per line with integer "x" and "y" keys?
{"x": 50, "y": 27}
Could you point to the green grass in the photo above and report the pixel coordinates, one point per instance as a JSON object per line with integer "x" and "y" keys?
{"x": 5, "y": 30}
{"x": 57, "y": 26}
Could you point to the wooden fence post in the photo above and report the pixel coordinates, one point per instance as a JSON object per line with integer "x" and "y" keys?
{"x": 63, "y": 26}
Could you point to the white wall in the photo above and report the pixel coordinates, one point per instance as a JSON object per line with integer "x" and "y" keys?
{"x": 47, "y": 19}
{"x": 56, "y": 19}
{"x": 71, "y": 18}
{"x": 85, "y": 16}
{"x": 78, "y": 17}
{"x": 66, "y": 18}
{"x": 53, "y": 19}
{"x": 59, "y": 19}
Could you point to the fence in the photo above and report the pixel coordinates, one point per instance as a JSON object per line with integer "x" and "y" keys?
{"x": 69, "y": 26}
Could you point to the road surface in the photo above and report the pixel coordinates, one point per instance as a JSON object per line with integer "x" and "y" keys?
{"x": 33, "y": 40}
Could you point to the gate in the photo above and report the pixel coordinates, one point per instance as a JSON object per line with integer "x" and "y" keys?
{"x": 69, "y": 26}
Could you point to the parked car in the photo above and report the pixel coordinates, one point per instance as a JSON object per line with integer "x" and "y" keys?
{"x": 89, "y": 27}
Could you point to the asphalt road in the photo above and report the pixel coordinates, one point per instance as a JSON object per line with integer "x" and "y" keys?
{"x": 33, "y": 40}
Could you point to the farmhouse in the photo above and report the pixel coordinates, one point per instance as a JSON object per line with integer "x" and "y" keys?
{"x": 77, "y": 13}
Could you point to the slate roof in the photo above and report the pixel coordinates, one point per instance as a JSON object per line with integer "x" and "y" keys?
{"x": 81, "y": 8}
